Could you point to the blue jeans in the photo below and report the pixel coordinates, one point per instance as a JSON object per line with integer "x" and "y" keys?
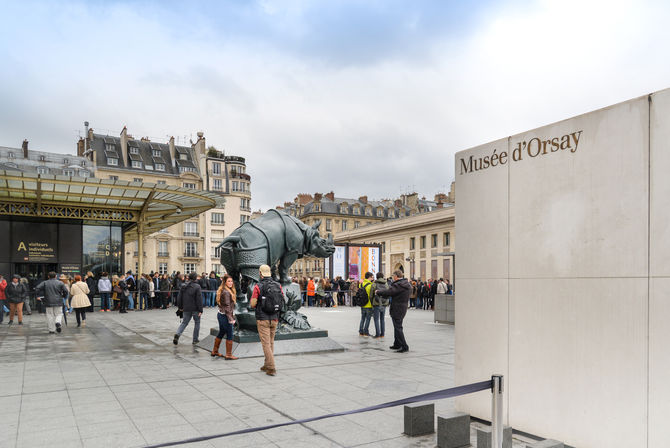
{"x": 142, "y": 303}
{"x": 378, "y": 315}
{"x": 104, "y": 300}
{"x": 225, "y": 327}
{"x": 184, "y": 323}
{"x": 212, "y": 298}
{"x": 366, "y": 315}
{"x": 131, "y": 302}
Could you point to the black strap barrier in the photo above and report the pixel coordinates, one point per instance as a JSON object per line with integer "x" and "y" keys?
{"x": 437, "y": 395}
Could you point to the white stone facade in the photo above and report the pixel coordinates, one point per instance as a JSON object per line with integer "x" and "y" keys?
{"x": 564, "y": 276}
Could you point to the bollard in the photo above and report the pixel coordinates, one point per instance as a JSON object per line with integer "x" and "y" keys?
{"x": 419, "y": 419}
{"x": 453, "y": 430}
{"x": 497, "y": 411}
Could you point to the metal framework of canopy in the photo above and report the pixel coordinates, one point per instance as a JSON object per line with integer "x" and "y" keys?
{"x": 146, "y": 207}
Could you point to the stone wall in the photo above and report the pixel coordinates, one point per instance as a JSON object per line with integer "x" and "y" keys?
{"x": 564, "y": 275}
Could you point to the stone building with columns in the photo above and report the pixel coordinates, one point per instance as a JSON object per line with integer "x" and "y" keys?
{"x": 346, "y": 215}
{"x": 189, "y": 246}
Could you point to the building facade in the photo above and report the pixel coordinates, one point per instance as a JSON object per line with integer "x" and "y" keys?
{"x": 189, "y": 246}
{"x": 421, "y": 245}
{"x": 344, "y": 215}
{"x": 42, "y": 162}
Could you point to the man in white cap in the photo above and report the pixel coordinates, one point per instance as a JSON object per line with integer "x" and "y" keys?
{"x": 267, "y": 299}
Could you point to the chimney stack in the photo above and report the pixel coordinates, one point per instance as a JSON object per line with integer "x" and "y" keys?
{"x": 124, "y": 147}
{"x": 86, "y": 143}
{"x": 363, "y": 199}
{"x": 330, "y": 196}
{"x": 317, "y": 197}
{"x": 24, "y": 146}
{"x": 172, "y": 151}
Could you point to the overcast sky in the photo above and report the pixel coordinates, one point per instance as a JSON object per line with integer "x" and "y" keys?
{"x": 360, "y": 97}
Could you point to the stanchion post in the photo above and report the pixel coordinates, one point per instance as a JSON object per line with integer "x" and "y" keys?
{"x": 497, "y": 411}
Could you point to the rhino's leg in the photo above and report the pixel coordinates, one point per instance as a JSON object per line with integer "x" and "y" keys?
{"x": 284, "y": 264}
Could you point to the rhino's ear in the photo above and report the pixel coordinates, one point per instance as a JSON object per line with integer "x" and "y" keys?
{"x": 316, "y": 225}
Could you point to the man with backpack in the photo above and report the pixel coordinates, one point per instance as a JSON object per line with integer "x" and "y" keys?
{"x": 379, "y": 304}
{"x": 363, "y": 300}
{"x": 268, "y": 300}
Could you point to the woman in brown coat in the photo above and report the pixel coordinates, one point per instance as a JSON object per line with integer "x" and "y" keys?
{"x": 79, "y": 299}
{"x": 225, "y": 300}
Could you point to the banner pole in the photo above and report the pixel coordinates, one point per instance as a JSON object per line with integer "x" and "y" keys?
{"x": 497, "y": 411}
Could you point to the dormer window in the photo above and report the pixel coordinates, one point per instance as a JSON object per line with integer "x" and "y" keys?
{"x": 83, "y": 163}
{"x": 42, "y": 158}
{"x": 66, "y": 161}
{"x": 10, "y": 155}
{"x": 68, "y": 172}
{"x": 112, "y": 161}
{"x": 42, "y": 170}
{"x": 159, "y": 166}
{"x": 317, "y": 207}
{"x": 156, "y": 153}
{"x": 136, "y": 164}
{"x": 183, "y": 157}
{"x": 357, "y": 210}
{"x": 344, "y": 208}
{"x": 84, "y": 173}
{"x": 109, "y": 147}
{"x": 134, "y": 150}
{"x": 380, "y": 212}
{"x": 368, "y": 211}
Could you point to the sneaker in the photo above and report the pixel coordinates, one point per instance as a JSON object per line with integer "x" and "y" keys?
{"x": 102, "y": 311}
{"x": 393, "y": 347}
{"x": 58, "y": 328}
{"x": 195, "y": 341}
{"x": 175, "y": 340}
{"x": 403, "y": 350}
{"x": 10, "y": 322}
{"x": 83, "y": 324}
{"x": 271, "y": 372}
{"x": 20, "y": 323}
{"x": 377, "y": 337}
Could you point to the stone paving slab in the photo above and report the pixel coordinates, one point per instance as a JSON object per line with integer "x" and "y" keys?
{"x": 121, "y": 382}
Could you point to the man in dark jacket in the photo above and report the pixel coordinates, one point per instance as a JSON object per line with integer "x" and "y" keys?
{"x": 399, "y": 290}
{"x": 52, "y": 292}
{"x": 189, "y": 301}
{"x": 16, "y": 293}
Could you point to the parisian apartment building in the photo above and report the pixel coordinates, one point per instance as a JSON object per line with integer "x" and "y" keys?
{"x": 340, "y": 215}
{"x": 190, "y": 246}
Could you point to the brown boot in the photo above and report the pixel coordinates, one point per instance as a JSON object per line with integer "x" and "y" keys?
{"x": 229, "y": 350}
{"x": 215, "y": 350}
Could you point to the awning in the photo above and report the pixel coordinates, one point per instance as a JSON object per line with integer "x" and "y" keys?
{"x": 49, "y": 196}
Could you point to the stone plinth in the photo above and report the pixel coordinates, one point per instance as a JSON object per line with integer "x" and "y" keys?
{"x": 453, "y": 430}
{"x": 484, "y": 437}
{"x": 419, "y": 419}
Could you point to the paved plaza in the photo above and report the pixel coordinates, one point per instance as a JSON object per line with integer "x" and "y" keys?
{"x": 120, "y": 382}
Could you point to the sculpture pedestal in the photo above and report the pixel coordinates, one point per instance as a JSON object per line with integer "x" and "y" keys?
{"x": 248, "y": 345}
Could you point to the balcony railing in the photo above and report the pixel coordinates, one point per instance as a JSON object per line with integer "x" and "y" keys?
{"x": 217, "y": 223}
{"x": 191, "y": 255}
{"x": 236, "y": 175}
{"x": 163, "y": 254}
{"x": 245, "y": 209}
{"x": 191, "y": 234}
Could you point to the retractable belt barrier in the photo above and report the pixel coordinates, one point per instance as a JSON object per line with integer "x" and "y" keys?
{"x": 431, "y": 396}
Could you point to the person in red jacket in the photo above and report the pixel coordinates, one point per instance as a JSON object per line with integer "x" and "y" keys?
{"x": 311, "y": 292}
{"x": 3, "y": 285}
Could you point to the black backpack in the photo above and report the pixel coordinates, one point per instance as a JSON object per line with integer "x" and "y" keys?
{"x": 361, "y": 298}
{"x": 272, "y": 299}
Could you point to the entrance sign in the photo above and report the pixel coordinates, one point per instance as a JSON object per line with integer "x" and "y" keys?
{"x": 34, "y": 242}
{"x": 564, "y": 275}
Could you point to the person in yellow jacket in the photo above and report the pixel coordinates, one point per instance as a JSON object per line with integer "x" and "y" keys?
{"x": 366, "y": 311}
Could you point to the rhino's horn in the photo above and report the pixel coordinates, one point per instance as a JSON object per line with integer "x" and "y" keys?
{"x": 316, "y": 225}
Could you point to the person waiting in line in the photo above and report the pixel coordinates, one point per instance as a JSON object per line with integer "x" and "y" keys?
{"x": 165, "y": 287}
{"x": 116, "y": 293}
{"x": 311, "y": 292}
{"x": 143, "y": 292}
{"x": 353, "y": 289}
{"x": 328, "y": 288}
{"x": 320, "y": 293}
{"x": 131, "y": 285}
{"x": 3, "y": 299}
{"x": 122, "y": 291}
{"x": 15, "y": 294}
{"x": 366, "y": 310}
{"x": 93, "y": 290}
{"x": 51, "y": 293}
{"x": 399, "y": 290}
{"x": 379, "y": 305}
{"x": 441, "y": 287}
{"x": 156, "y": 282}
{"x": 79, "y": 299}
{"x": 26, "y": 300}
{"x": 105, "y": 289}
{"x": 213, "y": 285}
{"x": 225, "y": 301}
{"x": 189, "y": 302}
{"x": 177, "y": 282}
{"x": 413, "y": 294}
